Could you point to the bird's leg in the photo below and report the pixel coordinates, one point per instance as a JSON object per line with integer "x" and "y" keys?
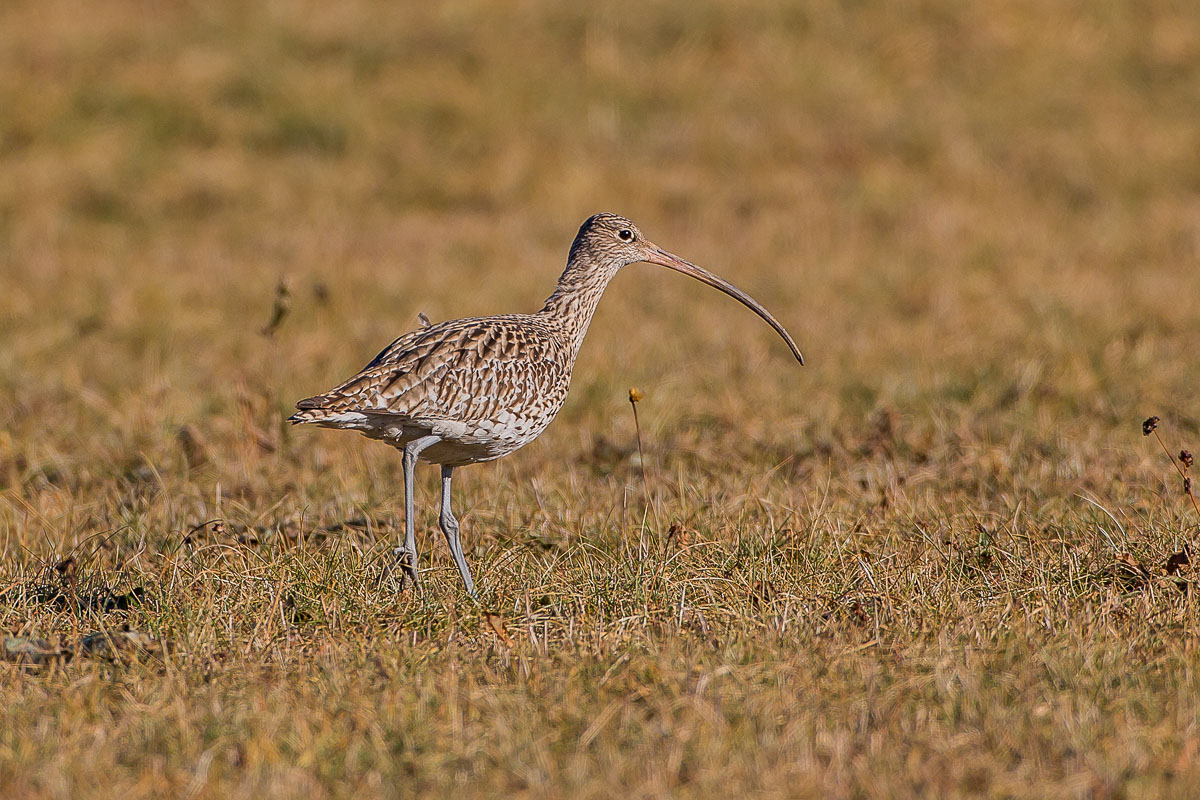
{"x": 450, "y": 528}
{"x": 408, "y": 553}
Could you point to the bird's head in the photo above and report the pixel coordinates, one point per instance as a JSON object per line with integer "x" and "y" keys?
{"x": 610, "y": 242}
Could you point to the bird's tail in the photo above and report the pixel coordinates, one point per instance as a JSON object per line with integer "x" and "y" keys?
{"x": 311, "y": 409}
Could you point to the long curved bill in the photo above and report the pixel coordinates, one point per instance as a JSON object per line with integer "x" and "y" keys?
{"x": 656, "y": 255}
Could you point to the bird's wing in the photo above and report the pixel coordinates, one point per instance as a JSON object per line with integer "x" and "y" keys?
{"x": 462, "y": 369}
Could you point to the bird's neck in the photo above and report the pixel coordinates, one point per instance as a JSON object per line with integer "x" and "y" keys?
{"x": 570, "y": 307}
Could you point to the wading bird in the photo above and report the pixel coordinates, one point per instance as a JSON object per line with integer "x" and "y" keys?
{"x": 476, "y": 389}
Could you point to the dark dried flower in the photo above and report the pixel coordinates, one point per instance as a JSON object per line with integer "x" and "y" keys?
{"x": 1180, "y": 565}
{"x": 678, "y": 535}
{"x": 66, "y": 568}
{"x": 1149, "y": 425}
{"x": 320, "y": 292}
{"x": 195, "y": 450}
{"x": 1187, "y": 484}
{"x": 1178, "y": 562}
{"x": 1186, "y": 457}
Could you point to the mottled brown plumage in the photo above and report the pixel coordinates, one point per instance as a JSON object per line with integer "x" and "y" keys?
{"x": 472, "y": 390}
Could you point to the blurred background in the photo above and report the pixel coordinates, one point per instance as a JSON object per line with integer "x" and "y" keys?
{"x": 977, "y": 217}
{"x": 979, "y": 220}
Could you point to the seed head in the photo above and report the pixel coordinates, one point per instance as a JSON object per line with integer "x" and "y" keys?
{"x": 1187, "y": 484}
{"x": 1185, "y": 456}
{"x": 635, "y": 394}
{"x": 1149, "y": 425}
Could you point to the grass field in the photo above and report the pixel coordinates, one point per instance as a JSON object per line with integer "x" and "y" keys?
{"x": 930, "y": 563}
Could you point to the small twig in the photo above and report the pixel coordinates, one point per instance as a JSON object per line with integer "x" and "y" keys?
{"x": 280, "y": 309}
{"x": 635, "y": 396}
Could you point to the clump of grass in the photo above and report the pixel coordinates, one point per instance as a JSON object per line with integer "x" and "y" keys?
{"x": 294, "y": 131}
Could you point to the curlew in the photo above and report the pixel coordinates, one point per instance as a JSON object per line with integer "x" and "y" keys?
{"x": 473, "y": 390}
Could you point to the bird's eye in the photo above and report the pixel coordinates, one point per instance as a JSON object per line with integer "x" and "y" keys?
{"x": 625, "y": 235}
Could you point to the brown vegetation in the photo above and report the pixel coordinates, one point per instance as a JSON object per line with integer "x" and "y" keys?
{"x": 941, "y": 560}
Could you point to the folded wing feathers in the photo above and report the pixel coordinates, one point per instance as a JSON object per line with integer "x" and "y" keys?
{"x": 434, "y": 372}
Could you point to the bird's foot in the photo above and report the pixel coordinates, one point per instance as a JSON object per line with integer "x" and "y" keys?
{"x": 407, "y": 560}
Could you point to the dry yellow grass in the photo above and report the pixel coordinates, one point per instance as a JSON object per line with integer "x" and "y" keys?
{"x": 981, "y": 221}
